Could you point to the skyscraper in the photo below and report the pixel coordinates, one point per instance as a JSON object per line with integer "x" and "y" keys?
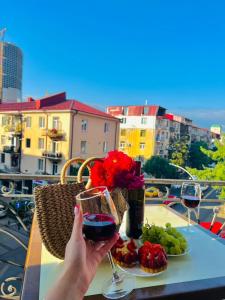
{"x": 11, "y": 60}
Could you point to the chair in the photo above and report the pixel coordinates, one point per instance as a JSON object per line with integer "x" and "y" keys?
{"x": 214, "y": 226}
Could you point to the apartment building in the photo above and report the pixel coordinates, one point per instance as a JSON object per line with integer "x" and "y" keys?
{"x": 149, "y": 130}
{"x": 140, "y": 134}
{"x": 40, "y": 135}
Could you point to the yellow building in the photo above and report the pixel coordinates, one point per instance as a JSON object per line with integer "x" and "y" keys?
{"x": 38, "y": 136}
{"x": 139, "y": 130}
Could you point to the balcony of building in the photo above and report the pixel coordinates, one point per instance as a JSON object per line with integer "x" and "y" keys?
{"x": 13, "y": 129}
{"x": 11, "y": 149}
{"x": 17, "y": 208}
{"x": 55, "y": 156}
{"x": 55, "y": 134}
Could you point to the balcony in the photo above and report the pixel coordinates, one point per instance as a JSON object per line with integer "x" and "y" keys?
{"x": 11, "y": 149}
{"x": 53, "y": 133}
{"x": 56, "y": 156}
{"x": 19, "y": 216}
{"x": 14, "y": 129}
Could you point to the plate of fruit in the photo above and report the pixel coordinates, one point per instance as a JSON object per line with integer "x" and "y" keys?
{"x": 145, "y": 261}
{"x": 169, "y": 237}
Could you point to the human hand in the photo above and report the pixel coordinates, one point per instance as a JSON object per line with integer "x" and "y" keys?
{"x": 81, "y": 261}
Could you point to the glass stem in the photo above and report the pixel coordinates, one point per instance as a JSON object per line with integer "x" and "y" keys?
{"x": 189, "y": 218}
{"x": 116, "y": 277}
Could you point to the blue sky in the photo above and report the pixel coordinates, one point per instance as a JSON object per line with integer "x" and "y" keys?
{"x": 119, "y": 52}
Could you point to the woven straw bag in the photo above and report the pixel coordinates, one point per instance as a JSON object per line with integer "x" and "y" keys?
{"x": 55, "y": 207}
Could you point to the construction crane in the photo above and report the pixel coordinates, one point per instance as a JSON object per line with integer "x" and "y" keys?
{"x": 2, "y": 34}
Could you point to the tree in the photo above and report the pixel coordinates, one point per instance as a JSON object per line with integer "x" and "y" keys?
{"x": 197, "y": 158}
{"x": 218, "y": 171}
{"x": 178, "y": 152}
{"x": 159, "y": 167}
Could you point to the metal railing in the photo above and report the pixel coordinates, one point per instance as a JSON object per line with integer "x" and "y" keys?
{"x": 8, "y": 193}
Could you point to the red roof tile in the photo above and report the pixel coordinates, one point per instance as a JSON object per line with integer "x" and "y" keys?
{"x": 53, "y": 102}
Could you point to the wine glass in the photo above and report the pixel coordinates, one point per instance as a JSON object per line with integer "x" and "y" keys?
{"x": 190, "y": 198}
{"x": 100, "y": 222}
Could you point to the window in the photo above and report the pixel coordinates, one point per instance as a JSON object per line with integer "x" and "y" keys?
{"x": 54, "y": 168}
{"x": 105, "y": 148}
{"x": 41, "y": 142}
{"x": 55, "y": 122}
{"x": 55, "y": 146}
{"x": 84, "y": 125}
{"x": 5, "y": 120}
{"x": 28, "y": 143}
{"x": 28, "y": 122}
{"x": 142, "y": 133}
{"x": 3, "y": 139}
{"x": 122, "y": 145}
{"x": 106, "y": 127}
{"x": 167, "y": 135}
{"x": 2, "y": 158}
{"x": 41, "y": 122}
{"x": 143, "y": 120}
{"x": 125, "y": 111}
{"x": 40, "y": 164}
{"x": 142, "y": 146}
{"x": 123, "y": 132}
{"x": 123, "y": 120}
{"x": 83, "y": 146}
{"x": 145, "y": 110}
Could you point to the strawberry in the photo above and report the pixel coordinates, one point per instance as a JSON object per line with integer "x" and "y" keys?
{"x": 131, "y": 246}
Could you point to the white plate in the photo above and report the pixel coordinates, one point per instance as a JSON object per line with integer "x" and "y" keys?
{"x": 182, "y": 254}
{"x": 137, "y": 271}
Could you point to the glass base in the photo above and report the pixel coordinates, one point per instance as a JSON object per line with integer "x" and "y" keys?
{"x": 118, "y": 288}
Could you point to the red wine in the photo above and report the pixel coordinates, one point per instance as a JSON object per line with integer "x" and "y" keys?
{"x": 98, "y": 227}
{"x": 190, "y": 201}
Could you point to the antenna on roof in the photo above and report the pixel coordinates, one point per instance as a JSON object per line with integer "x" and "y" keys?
{"x": 2, "y": 34}
{"x": 146, "y": 101}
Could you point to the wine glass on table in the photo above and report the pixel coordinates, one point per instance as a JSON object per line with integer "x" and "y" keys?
{"x": 190, "y": 198}
{"x": 100, "y": 222}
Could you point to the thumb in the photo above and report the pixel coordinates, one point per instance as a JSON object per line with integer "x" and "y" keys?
{"x": 78, "y": 223}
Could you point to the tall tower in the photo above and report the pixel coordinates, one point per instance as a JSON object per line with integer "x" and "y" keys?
{"x": 11, "y": 60}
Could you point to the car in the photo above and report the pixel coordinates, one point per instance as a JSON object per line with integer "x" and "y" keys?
{"x": 152, "y": 192}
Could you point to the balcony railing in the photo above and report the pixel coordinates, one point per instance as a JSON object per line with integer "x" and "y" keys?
{"x": 11, "y": 149}
{"x": 14, "y": 129}
{"x": 52, "y": 155}
{"x": 53, "y": 133}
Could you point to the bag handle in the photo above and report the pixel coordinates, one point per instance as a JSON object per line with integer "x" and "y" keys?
{"x": 83, "y": 166}
{"x": 66, "y": 166}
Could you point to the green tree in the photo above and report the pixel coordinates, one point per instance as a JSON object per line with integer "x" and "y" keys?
{"x": 197, "y": 158}
{"x": 218, "y": 171}
{"x": 159, "y": 167}
{"x": 178, "y": 152}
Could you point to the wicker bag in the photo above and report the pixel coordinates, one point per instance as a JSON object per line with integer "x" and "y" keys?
{"x": 55, "y": 207}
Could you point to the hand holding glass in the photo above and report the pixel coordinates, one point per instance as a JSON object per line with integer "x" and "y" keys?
{"x": 100, "y": 222}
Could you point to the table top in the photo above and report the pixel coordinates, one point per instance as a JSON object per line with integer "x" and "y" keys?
{"x": 197, "y": 275}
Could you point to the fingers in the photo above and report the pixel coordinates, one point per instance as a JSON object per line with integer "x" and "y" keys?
{"x": 78, "y": 223}
{"x": 108, "y": 245}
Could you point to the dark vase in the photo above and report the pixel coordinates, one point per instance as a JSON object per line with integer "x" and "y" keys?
{"x": 135, "y": 213}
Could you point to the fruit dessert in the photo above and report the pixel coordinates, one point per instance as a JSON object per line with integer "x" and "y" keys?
{"x": 125, "y": 253}
{"x": 152, "y": 258}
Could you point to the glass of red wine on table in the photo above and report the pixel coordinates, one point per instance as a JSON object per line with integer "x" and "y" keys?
{"x": 100, "y": 222}
{"x": 190, "y": 198}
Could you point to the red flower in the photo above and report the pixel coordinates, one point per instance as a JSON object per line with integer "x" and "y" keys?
{"x": 116, "y": 170}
